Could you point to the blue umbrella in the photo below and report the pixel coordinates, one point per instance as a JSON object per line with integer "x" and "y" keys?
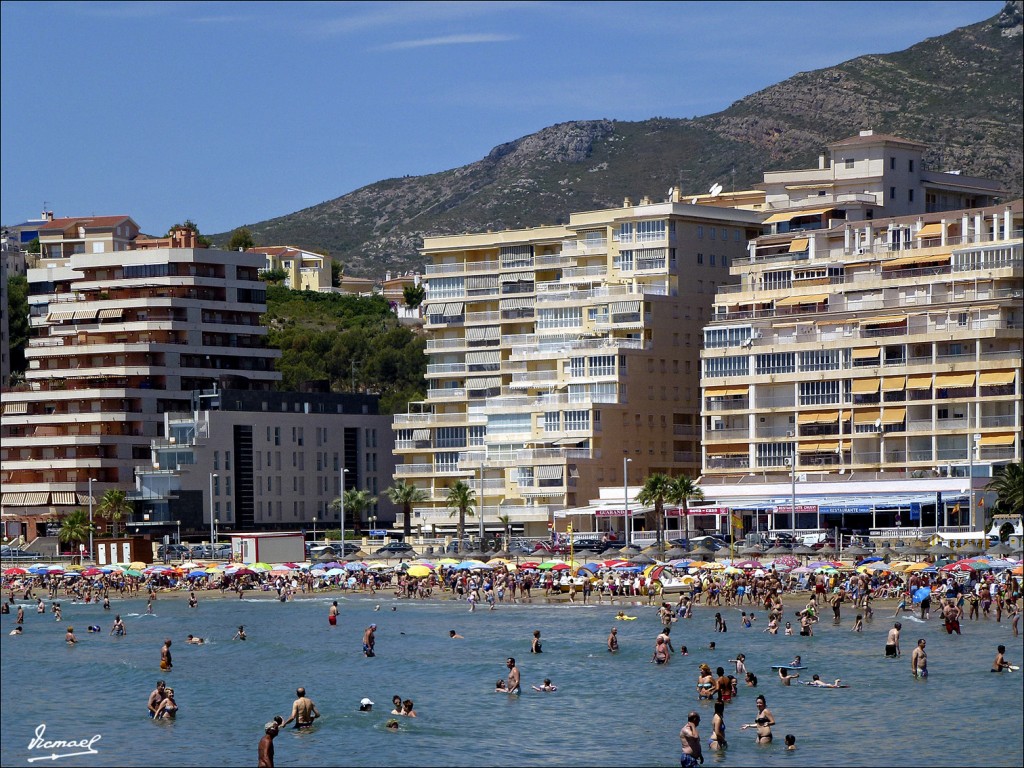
{"x": 592, "y": 567}
{"x": 921, "y": 593}
{"x": 870, "y": 560}
{"x": 197, "y": 575}
{"x": 629, "y": 568}
{"x": 353, "y": 566}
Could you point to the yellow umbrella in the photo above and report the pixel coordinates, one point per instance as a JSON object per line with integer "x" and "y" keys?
{"x": 418, "y": 571}
{"x": 448, "y": 561}
{"x": 136, "y": 566}
{"x": 260, "y": 567}
{"x": 916, "y": 567}
{"x": 731, "y": 569}
{"x": 713, "y": 566}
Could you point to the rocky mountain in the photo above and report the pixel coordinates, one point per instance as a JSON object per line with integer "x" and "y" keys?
{"x": 961, "y": 93}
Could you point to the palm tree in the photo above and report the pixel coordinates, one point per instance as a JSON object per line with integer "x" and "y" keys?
{"x": 461, "y": 499}
{"x": 114, "y": 506}
{"x": 74, "y": 528}
{"x": 657, "y": 488}
{"x": 405, "y": 495}
{"x": 506, "y": 521}
{"x": 358, "y": 502}
{"x": 683, "y": 490}
{"x": 1009, "y": 487}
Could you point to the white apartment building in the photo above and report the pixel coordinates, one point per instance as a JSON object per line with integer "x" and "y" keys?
{"x": 559, "y": 355}
{"x": 124, "y": 329}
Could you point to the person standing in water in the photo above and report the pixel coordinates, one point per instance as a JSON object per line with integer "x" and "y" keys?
{"x": 535, "y": 643}
{"x": 718, "y": 727}
{"x": 689, "y": 739}
{"x": 265, "y": 751}
{"x": 763, "y": 722}
{"x": 165, "y": 655}
{"x": 919, "y": 660}
{"x": 613, "y": 641}
{"x": 513, "y": 676}
{"x": 304, "y": 711}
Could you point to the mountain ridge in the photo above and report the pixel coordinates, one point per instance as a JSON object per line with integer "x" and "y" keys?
{"x": 959, "y": 92}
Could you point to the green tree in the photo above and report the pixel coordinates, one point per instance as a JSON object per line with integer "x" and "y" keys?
{"x": 685, "y": 489}
{"x": 1008, "y": 485}
{"x": 275, "y": 276}
{"x": 17, "y": 323}
{"x": 405, "y": 495}
{"x": 32, "y": 246}
{"x": 241, "y": 240}
{"x": 461, "y": 500}
{"x": 114, "y": 506}
{"x": 506, "y": 522}
{"x": 414, "y": 295}
{"x": 357, "y": 503}
{"x": 337, "y": 273}
{"x": 657, "y": 488}
{"x": 74, "y": 529}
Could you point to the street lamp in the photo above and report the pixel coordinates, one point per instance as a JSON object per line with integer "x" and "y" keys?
{"x": 91, "y": 556}
{"x": 212, "y": 532}
{"x": 625, "y": 494}
{"x": 341, "y": 504}
{"x": 972, "y": 446}
{"x": 314, "y": 529}
{"x": 216, "y": 535}
{"x": 178, "y": 523}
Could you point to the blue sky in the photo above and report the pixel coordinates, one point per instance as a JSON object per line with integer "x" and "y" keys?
{"x": 232, "y": 113}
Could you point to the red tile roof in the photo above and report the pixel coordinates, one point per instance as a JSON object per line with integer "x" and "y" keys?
{"x": 89, "y": 222}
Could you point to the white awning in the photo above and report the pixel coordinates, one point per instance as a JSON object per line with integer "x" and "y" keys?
{"x": 15, "y": 408}
{"x": 490, "y": 356}
{"x": 86, "y": 314}
{"x": 482, "y": 281}
{"x": 480, "y": 334}
{"x": 454, "y": 309}
{"x": 83, "y": 498}
{"x": 550, "y": 472}
{"x": 59, "y": 317}
{"x": 483, "y": 382}
{"x": 622, "y": 307}
{"x": 110, "y": 314}
{"x": 14, "y": 499}
{"x": 517, "y": 277}
{"x": 61, "y": 497}
{"x": 419, "y": 435}
{"x": 521, "y": 302}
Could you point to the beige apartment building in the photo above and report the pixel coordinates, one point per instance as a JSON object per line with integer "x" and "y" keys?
{"x": 870, "y": 368}
{"x": 304, "y": 270}
{"x": 557, "y": 353}
{"x": 123, "y": 329}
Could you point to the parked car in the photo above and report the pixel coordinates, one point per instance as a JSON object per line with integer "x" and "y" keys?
{"x": 397, "y": 548}
{"x": 174, "y": 552}
{"x": 708, "y": 542}
{"x": 13, "y": 553}
{"x": 334, "y": 549}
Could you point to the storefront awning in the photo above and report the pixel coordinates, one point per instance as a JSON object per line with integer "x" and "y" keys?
{"x": 790, "y": 215}
{"x": 996, "y": 378}
{"x": 813, "y": 298}
{"x": 865, "y": 386}
{"x": 954, "y": 380}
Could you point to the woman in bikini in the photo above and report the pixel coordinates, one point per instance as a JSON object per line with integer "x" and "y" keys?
{"x": 763, "y": 722}
{"x": 705, "y": 683}
{"x": 718, "y": 727}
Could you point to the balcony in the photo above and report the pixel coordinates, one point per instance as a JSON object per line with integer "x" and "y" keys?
{"x": 461, "y": 267}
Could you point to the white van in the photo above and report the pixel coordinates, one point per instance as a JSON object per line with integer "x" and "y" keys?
{"x": 810, "y": 539}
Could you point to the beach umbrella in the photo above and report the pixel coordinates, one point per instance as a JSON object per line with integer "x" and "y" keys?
{"x": 241, "y": 571}
{"x": 802, "y": 570}
{"x": 827, "y": 551}
{"x": 703, "y": 553}
{"x": 867, "y": 560}
{"x": 133, "y": 572}
{"x": 921, "y": 593}
{"x": 803, "y": 549}
{"x": 676, "y": 553}
{"x": 418, "y": 571}
{"x": 786, "y": 561}
{"x": 960, "y": 566}
{"x": 641, "y": 559}
{"x": 261, "y": 567}
{"x": 189, "y": 564}
{"x": 197, "y": 575}
{"x": 501, "y": 554}
{"x": 336, "y": 572}
{"x": 940, "y": 550}
{"x": 684, "y": 562}
{"x": 752, "y": 550}
{"x": 547, "y": 565}
{"x": 92, "y": 572}
{"x": 915, "y": 567}
{"x": 1000, "y": 565}
{"x": 732, "y": 570}
{"x": 778, "y": 549}
{"x": 713, "y": 566}
{"x": 748, "y": 564}
{"x": 1001, "y": 549}
{"x": 1018, "y": 570}
{"x": 628, "y": 568}
{"x": 592, "y": 567}
{"x": 447, "y": 561}
{"x": 529, "y": 565}
{"x": 856, "y": 551}
{"x": 561, "y": 567}
{"x": 16, "y": 571}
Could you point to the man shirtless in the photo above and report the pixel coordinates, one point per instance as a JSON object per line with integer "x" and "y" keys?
{"x": 304, "y": 711}
{"x": 513, "y": 676}
{"x": 892, "y": 642}
{"x": 689, "y": 739}
{"x": 265, "y": 753}
{"x": 613, "y": 640}
{"x": 156, "y": 697}
{"x": 369, "y": 640}
{"x": 919, "y": 660}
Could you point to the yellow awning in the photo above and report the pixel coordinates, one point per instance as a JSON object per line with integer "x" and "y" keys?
{"x": 884, "y": 320}
{"x": 865, "y": 386}
{"x": 813, "y": 298}
{"x": 866, "y": 353}
{"x": 894, "y": 416}
{"x": 867, "y": 417}
{"x": 894, "y": 385}
{"x": 829, "y": 446}
{"x": 907, "y": 261}
{"x": 790, "y": 215}
{"x": 996, "y": 378}
{"x": 798, "y": 244}
{"x": 930, "y": 230}
{"x": 1005, "y": 438}
{"x": 921, "y": 381}
{"x": 724, "y": 391}
{"x": 817, "y": 417}
{"x": 954, "y": 380}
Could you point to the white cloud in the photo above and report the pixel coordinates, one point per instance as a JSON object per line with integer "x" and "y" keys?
{"x": 467, "y": 39}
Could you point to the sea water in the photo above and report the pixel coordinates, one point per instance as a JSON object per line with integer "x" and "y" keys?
{"x": 609, "y": 710}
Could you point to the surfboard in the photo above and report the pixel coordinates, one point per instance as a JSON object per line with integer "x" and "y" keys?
{"x": 785, "y": 666}
{"x": 1013, "y": 668}
{"x": 829, "y": 685}
{"x": 626, "y": 618}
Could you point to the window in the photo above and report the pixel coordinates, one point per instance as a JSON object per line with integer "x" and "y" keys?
{"x": 216, "y": 460}
{"x": 910, "y": 195}
{"x": 778, "y": 362}
{"x": 560, "y": 317}
{"x": 848, "y": 162}
{"x": 277, "y": 435}
{"x": 820, "y": 360}
{"x": 516, "y": 256}
{"x": 552, "y": 421}
{"x": 773, "y": 454}
{"x": 625, "y": 233}
{"x": 910, "y": 165}
{"x": 577, "y": 367}
{"x": 711, "y": 232}
{"x": 724, "y": 234}
{"x": 700, "y": 258}
{"x": 446, "y": 462}
{"x": 602, "y": 365}
{"x": 819, "y": 392}
{"x": 726, "y": 337}
{"x": 711, "y": 259}
{"x": 737, "y": 365}
{"x": 577, "y": 421}
{"x": 623, "y": 260}
{"x": 646, "y": 231}
{"x": 700, "y": 232}
{"x": 503, "y": 423}
{"x": 892, "y": 193}
{"x": 445, "y": 288}
{"x": 892, "y": 163}
{"x": 227, "y": 459}
{"x": 450, "y": 437}
{"x": 476, "y": 435}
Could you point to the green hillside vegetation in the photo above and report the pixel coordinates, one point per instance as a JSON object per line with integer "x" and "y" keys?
{"x": 960, "y": 93}
{"x": 356, "y": 343}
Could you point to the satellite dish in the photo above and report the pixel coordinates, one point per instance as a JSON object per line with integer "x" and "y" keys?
{"x": 693, "y": 201}
{"x": 716, "y": 189}
{"x": 671, "y": 191}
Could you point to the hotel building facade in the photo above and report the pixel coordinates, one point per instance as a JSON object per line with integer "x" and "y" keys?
{"x": 557, "y": 353}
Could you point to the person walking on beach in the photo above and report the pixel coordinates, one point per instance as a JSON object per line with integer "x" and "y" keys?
{"x": 369, "y": 641}
{"x": 332, "y": 614}
{"x": 513, "y": 676}
{"x": 689, "y": 740}
{"x": 304, "y": 711}
{"x": 613, "y": 641}
{"x": 265, "y": 752}
{"x": 919, "y": 660}
{"x": 165, "y": 655}
{"x": 892, "y": 642}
